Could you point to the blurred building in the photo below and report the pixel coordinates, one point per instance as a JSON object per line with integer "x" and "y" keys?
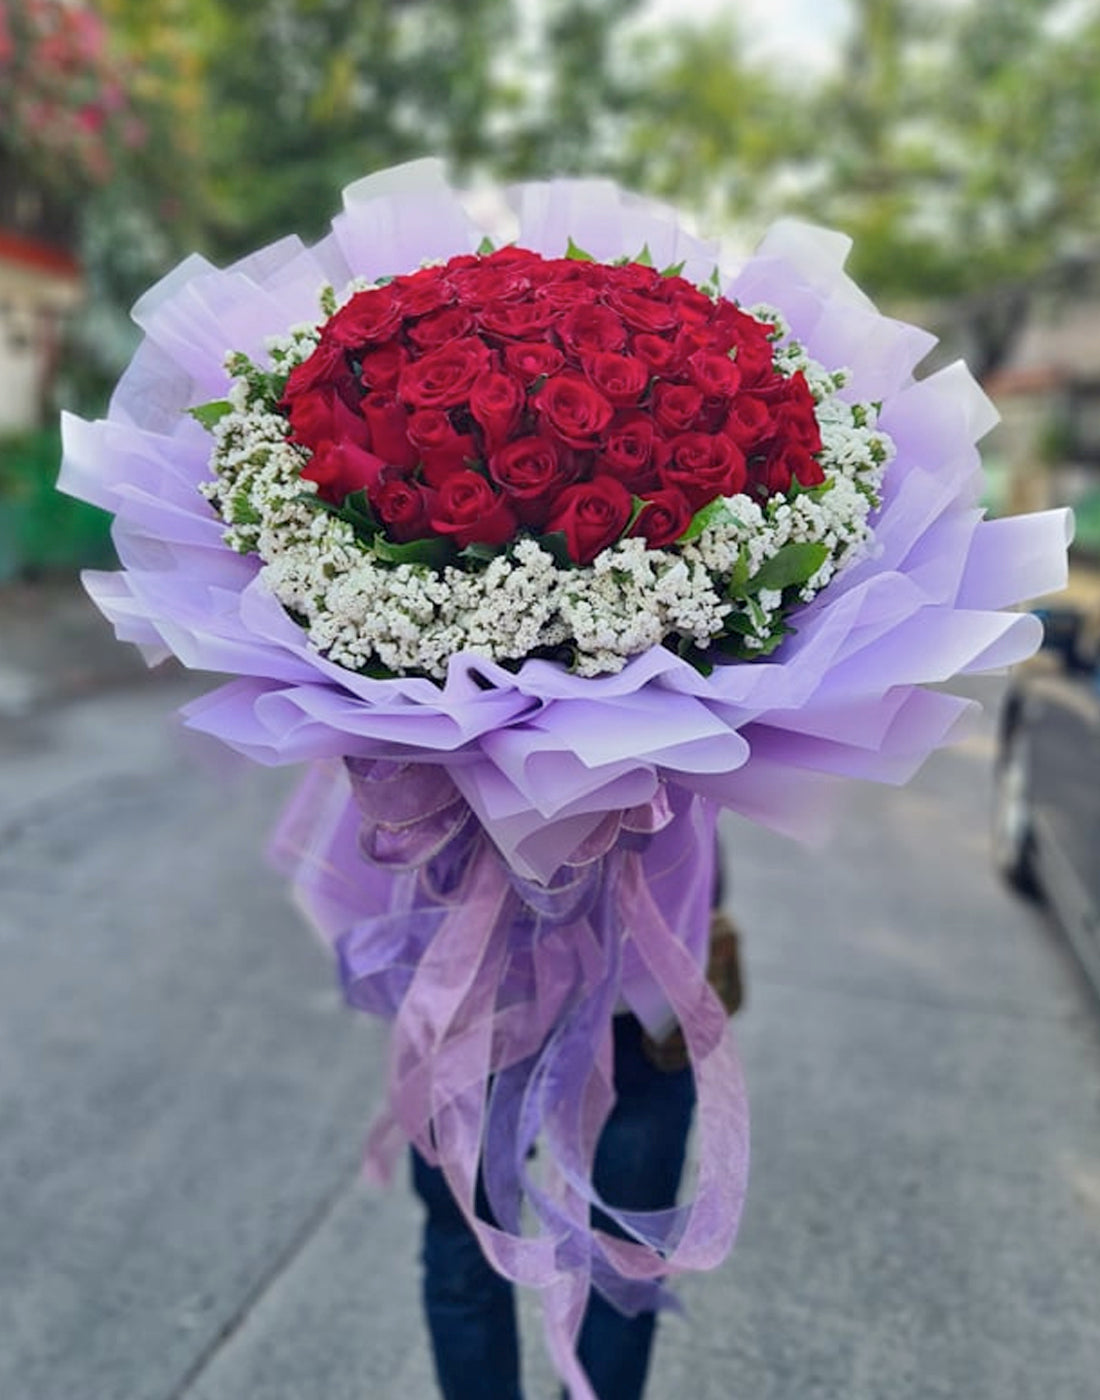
{"x": 1046, "y": 450}
{"x": 40, "y": 283}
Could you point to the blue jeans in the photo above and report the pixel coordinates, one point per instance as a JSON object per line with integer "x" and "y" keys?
{"x": 470, "y": 1309}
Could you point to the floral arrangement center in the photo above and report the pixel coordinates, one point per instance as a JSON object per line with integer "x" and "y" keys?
{"x": 526, "y": 456}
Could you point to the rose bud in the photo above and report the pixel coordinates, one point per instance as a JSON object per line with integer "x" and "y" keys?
{"x": 468, "y": 509}
{"x": 591, "y": 515}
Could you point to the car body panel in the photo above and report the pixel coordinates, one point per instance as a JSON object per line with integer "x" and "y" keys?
{"x": 1054, "y": 700}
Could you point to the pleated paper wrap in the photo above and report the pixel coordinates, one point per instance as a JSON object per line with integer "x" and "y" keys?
{"x": 506, "y": 859}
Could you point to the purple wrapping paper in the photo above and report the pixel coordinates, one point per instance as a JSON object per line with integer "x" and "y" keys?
{"x": 540, "y": 767}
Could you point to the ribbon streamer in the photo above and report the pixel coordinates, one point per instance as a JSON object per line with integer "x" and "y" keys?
{"x": 501, "y": 992}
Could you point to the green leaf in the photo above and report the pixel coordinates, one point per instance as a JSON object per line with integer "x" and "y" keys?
{"x": 242, "y": 511}
{"x": 637, "y": 505}
{"x": 485, "y": 247}
{"x": 577, "y": 254}
{"x": 674, "y": 269}
{"x": 795, "y": 563}
{"x": 710, "y": 513}
{"x": 556, "y": 547}
{"x": 739, "y": 575}
{"x": 208, "y": 414}
{"x": 478, "y": 553}
{"x": 645, "y": 257}
{"x": 434, "y": 552}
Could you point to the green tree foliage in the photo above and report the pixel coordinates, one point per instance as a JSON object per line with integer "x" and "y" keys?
{"x": 302, "y": 96}
{"x": 958, "y": 142}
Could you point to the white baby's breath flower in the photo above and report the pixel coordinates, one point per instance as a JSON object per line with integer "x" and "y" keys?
{"x": 732, "y": 580}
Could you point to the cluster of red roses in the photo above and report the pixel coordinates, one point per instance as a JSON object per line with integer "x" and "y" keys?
{"x": 507, "y": 391}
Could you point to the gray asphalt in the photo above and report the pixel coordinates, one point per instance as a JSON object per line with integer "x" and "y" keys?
{"x": 183, "y": 1099}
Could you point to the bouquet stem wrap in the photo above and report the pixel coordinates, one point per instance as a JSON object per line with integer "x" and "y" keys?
{"x": 501, "y": 991}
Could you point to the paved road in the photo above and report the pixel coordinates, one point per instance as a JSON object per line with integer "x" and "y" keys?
{"x": 182, "y": 1101}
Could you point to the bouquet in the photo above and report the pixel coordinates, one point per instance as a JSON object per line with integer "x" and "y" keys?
{"x": 539, "y": 554}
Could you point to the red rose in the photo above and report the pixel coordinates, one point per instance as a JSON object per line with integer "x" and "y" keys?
{"x": 690, "y": 306}
{"x": 639, "y": 278}
{"x": 661, "y": 356}
{"x": 715, "y": 376}
{"x": 530, "y": 471}
{"x": 589, "y": 328}
{"x": 403, "y": 507}
{"x": 368, "y": 318}
{"x": 666, "y": 516}
{"x": 493, "y": 278}
{"x": 381, "y": 368}
{"x": 327, "y": 367}
{"x": 443, "y": 378}
{"x": 442, "y": 448}
{"x": 748, "y": 422}
{"x": 676, "y": 406}
{"x": 620, "y": 378}
{"x": 339, "y": 468}
{"x": 787, "y": 462}
{"x": 641, "y": 311}
{"x": 321, "y": 415}
{"x": 388, "y": 421}
{"x": 631, "y": 451}
{"x": 432, "y": 331}
{"x": 591, "y": 515}
{"x": 530, "y": 359}
{"x": 422, "y": 292}
{"x": 795, "y": 417}
{"x": 704, "y": 465}
{"x": 754, "y": 354}
{"x": 573, "y": 409}
{"x": 468, "y": 509}
{"x": 496, "y": 403}
{"x": 563, "y": 295}
{"x": 517, "y": 320}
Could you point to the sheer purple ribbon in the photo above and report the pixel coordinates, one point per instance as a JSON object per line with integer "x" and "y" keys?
{"x": 502, "y": 992}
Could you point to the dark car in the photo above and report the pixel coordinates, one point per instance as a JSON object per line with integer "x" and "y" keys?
{"x": 1046, "y": 816}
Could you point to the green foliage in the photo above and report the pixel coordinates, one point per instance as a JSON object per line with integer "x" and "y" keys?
{"x": 39, "y": 527}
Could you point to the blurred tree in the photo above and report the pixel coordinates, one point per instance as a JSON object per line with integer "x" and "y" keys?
{"x": 958, "y": 142}
{"x": 302, "y": 96}
{"x": 572, "y": 84}
{"x": 700, "y": 123}
{"x": 962, "y": 149}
